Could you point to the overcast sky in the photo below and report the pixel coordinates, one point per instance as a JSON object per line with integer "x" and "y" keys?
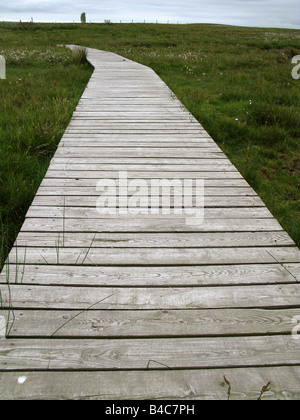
{"x": 266, "y": 13}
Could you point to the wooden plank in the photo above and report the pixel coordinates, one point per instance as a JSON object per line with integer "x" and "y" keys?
{"x": 130, "y": 115}
{"x": 202, "y": 384}
{"x": 140, "y": 161}
{"x": 115, "y": 92}
{"x": 137, "y": 152}
{"x": 146, "y": 138}
{"x": 155, "y": 256}
{"x": 119, "y": 143}
{"x": 21, "y": 296}
{"x": 94, "y": 354}
{"x": 163, "y": 276}
{"x": 149, "y": 323}
{"x": 97, "y": 213}
{"x": 137, "y": 131}
{"x": 142, "y": 95}
{"x": 92, "y": 124}
{"x": 148, "y": 224}
{"x": 157, "y": 240}
{"x": 89, "y": 201}
{"x": 86, "y": 182}
{"x": 122, "y": 105}
{"x": 207, "y": 176}
{"x": 130, "y": 118}
{"x": 115, "y": 109}
{"x": 165, "y": 138}
{"x": 146, "y": 167}
{"x": 91, "y": 191}
{"x": 137, "y": 141}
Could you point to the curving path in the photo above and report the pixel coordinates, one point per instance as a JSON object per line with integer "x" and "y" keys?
{"x": 150, "y": 304}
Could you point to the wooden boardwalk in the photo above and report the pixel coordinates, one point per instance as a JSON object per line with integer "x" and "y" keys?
{"x": 146, "y": 306}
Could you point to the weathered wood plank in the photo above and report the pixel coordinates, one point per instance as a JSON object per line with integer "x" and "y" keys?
{"x": 154, "y": 256}
{"x": 93, "y": 354}
{"x": 157, "y": 240}
{"x": 137, "y": 131}
{"x": 128, "y": 161}
{"x": 137, "y": 152}
{"x": 146, "y": 138}
{"x": 21, "y": 296}
{"x": 221, "y": 176}
{"x": 202, "y": 143}
{"x": 136, "y": 186}
{"x": 149, "y": 323}
{"x": 163, "y": 276}
{"x": 141, "y": 95}
{"x": 130, "y": 116}
{"x": 148, "y": 224}
{"x": 142, "y": 167}
{"x": 208, "y": 146}
{"x": 97, "y": 213}
{"x": 91, "y": 191}
{"x": 202, "y": 384}
{"x": 89, "y": 201}
{"x": 92, "y": 103}
{"x": 92, "y": 124}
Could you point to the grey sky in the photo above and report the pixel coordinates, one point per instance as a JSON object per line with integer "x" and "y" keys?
{"x": 267, "y": 13}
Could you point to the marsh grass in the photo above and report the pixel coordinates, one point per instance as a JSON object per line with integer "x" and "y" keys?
{"x": 37, "y": 101}
{"x": 79, "y": 55}
{"x": 78, "y": 314}
{"x": 266, "y": 388}
{"x": 228, "y": 387}
{"x": 10, "y": 314}
{"x": 18, "y": 279}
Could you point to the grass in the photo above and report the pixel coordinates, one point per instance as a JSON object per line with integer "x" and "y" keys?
{"x": 78, "y": 314}
{"x": 266, "y": 388}
{"x": 79, "y": 55}
{"x": 236, "y": 81}
{"x": 39, "y": 96}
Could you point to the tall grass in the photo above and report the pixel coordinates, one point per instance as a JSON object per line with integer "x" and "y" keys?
{"x": 37, "y": 101}
{"x": 79, "y": 55}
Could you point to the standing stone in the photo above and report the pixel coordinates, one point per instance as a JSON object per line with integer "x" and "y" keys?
{"x": 83, "y": 18}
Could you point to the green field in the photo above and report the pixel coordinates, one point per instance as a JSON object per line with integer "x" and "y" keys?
{"x": 236, "y": 81}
